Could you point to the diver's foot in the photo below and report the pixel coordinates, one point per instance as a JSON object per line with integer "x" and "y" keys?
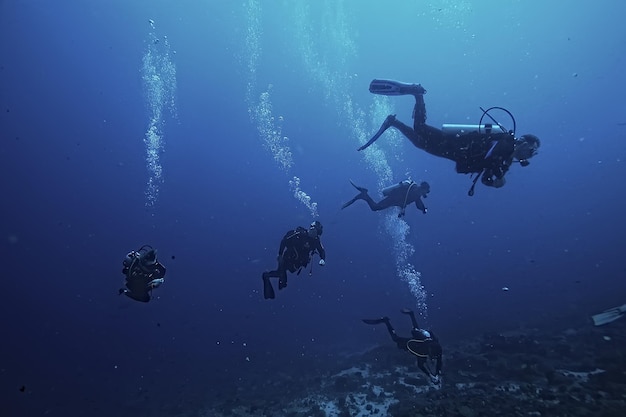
{"x": 282, "y": 284}
{"x": 362, "y": 190}
{"x": 414, "y": 89}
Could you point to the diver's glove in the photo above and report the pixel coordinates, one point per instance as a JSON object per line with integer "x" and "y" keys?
{"x": 322, "y": 262}
{"x": 156, "y": 283}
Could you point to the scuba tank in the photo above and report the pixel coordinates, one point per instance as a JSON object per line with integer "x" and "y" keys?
{"x": 484, "y": 128}
{"x": 457, "y": 129}
{"x": 388, "y": 190}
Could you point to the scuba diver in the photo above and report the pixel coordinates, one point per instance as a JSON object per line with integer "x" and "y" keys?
{"x": 399, "y": 195}
{"x": 143, "y": 273}
{"x": 487, "y": 150}
{"x": 423, "y": 344}
{"x": 296, "y": 249}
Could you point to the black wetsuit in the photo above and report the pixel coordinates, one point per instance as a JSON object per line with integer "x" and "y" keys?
{"x": 294, "y": 253}
{"x": 405, "y": 193}
{"x": 139, "y": 277}
{"x": 424, "y": 345}
{"x": 474, "y": 153}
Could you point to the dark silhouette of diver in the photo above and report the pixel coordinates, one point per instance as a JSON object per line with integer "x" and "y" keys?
{"x": 294, "y": 253}
{"x": 143, "y": 273}
{"x": 398, "y": 195}
{"x": 423, "y": 344}
{"x": 487, "y": 151}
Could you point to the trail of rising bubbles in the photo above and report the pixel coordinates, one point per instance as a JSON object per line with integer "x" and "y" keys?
{"x": 260, "y": 107}
{"x": 325, "y": 52}
{"x": 158, "y": 74}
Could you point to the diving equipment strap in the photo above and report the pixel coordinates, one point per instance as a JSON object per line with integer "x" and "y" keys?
{"x": 406, "y": 197}
{"x": 471, "y": 190}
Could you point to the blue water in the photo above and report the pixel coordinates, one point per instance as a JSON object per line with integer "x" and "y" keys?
{"x": 185, "y": 134}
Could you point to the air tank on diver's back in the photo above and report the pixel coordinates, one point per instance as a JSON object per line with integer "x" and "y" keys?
{"x": 459, "y": 129}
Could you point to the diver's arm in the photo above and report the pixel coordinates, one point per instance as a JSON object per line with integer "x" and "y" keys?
{"x": 283, "y": 242}
{"x": 438, "y": 366}
{"x": 421, "y": 363}
{"x": 159, "y": 271}
{"x": 420, "y": 205}
{"x": 437, "y": 353}
{"x": 493, "y": 178}
{"x": 320, "y": 249}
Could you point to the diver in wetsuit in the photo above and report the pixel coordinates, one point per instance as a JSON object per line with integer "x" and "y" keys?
{"x": 423, "y": 344}
{"x": 486, "y": 151}
{"x": 398, "y": 195}
{"x": 294, "y": 253}
{"x": 143, "y": 273}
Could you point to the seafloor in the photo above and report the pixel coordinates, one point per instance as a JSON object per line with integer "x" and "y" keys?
{"x": 576, "y": 371}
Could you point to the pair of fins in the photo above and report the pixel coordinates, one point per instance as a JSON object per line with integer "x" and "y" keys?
{"x": 608, "y": 316}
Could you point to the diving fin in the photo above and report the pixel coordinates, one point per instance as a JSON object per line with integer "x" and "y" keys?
{"x": 412, "y": 315}
{"x": 359, "y": 196}
{"x": 386, "y": 125}
{"x": 268, "y": 289}
{"x": 395, "y": 88}
{"x": 349, "y": 203}
{"x": 609, "y": 315}
{"x": 375, "y": 321}
{"x": 360, "y": 189}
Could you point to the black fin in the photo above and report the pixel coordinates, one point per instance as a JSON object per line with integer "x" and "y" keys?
{"x": 268, "y": 289}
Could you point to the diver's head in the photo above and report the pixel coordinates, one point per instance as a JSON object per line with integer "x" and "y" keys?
{"x": 525, "y": 148}
{"x": 425, "y": 187}
{"x": 315, "y": 229}
{"x": 420, "y": 334}
{"x": 148, "y": 258}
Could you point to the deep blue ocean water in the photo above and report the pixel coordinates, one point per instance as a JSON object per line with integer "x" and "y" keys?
{"x": 252, "y": 112}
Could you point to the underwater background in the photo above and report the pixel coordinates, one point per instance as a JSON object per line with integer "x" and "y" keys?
{"x": 208, "y": 129}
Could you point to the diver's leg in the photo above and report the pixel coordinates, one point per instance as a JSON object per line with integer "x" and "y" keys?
{"x": 400, "y": 341}
{"x": 412, "y": 315}
{"x": 409, "y": 132}
{"x": 419, "y": 112}
{"x": 282, "y": 279}
{"x": 375, "y": 206}
{"x": 423, "y": 136}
